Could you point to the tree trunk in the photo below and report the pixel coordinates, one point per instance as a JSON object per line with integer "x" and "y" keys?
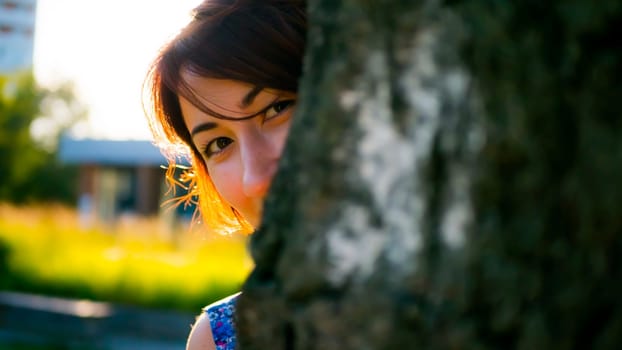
{"x": 452, "y": 181}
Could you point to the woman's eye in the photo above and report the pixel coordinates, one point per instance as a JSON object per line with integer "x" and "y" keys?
{"x": 278, "y": 108}
{"x": 217, "y": 145}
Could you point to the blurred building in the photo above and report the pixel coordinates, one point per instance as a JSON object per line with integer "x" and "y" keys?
{"x": 118, "y": 178}
{"x": 17, "y": 27}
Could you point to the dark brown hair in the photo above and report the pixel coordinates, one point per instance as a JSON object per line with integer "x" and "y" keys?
{"x": 258, "y": 42}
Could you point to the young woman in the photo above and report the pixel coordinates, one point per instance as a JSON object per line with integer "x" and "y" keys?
{"x": 223, "y": 91}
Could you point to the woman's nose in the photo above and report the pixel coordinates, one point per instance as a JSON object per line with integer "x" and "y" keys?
{"x": 260, "y": 161}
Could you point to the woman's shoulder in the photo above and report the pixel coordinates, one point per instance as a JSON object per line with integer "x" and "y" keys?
{"x": 214, "y": 328}
{"x": 221, "y": 305}
{"x": 220, "y": 315}
{"x": 201, "y": 337}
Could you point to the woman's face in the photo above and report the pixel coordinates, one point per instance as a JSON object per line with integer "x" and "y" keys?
{"x": 241, "y": 155}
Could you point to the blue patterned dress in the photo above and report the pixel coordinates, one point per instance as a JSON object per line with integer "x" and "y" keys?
{"x": 220, "y": 316}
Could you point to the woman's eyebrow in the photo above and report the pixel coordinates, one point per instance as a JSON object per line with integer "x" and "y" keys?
{"x": 250, "y": 96}
{"x": 203, "y": 127}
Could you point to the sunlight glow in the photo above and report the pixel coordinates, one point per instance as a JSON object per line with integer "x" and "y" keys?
{"x": 104, "y": 48}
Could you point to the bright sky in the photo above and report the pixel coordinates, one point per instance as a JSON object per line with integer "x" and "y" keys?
{"x": 105, "y": 47}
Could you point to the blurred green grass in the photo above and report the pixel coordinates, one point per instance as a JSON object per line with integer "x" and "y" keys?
{"x": 139, "y": 262}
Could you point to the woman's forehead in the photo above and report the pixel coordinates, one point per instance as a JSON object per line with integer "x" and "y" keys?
{"x": 227, "y": 96}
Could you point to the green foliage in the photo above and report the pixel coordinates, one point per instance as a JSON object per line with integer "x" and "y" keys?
{"x": 46, "y": 251}
{"x": 29, "y": 168}
{"x": 4, "y": 257}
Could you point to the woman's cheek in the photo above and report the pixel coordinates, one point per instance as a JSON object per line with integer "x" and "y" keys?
{"x": 228, "y": 183}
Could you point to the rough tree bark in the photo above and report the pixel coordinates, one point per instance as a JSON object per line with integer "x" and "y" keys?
{"x": 452, "y": 181}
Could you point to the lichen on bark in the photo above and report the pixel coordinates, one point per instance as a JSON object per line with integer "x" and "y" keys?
{"x": 450, "y": 182}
